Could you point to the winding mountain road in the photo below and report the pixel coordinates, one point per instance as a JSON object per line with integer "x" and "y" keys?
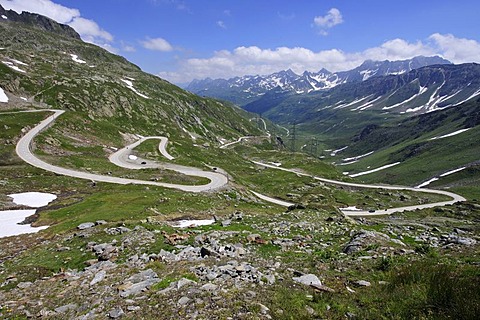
{"x": 455, "y": 197}
{"x": 23, "y": 149}
{"x": 123, "y": 159}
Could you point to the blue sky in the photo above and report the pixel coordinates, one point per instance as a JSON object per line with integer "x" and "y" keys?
{"x": 180, "y": 40}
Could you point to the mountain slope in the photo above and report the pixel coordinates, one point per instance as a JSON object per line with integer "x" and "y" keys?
{"x": 248, "y": 89}
{"x": 428, "y": 146}
{"x": 61, "y": 71}
{"x": 419, "y": 91}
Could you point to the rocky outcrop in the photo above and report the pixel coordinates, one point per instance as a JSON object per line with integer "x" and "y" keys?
{"x": 39, "y": 22}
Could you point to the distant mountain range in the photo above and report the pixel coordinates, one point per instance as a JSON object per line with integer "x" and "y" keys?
{"x": 247, "y": 89}
{"x": 418, "y": 91}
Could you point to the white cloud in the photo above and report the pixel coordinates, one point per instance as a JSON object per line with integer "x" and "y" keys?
{"x": 331, "y": 19}
{"x": 398, "y": 49}
{"x": 458, "y": 50}
{"x": 127, "y": 47}
{"x": 286, "y": 17}
{"x": 157, "y": 44}
{"x": 254, "y": 60}
{"x": 88, "y": 29}
{"x": 221, "y": 24}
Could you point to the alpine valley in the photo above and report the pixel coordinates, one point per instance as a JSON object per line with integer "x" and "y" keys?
{"x": 380, "y": 113}
{"x": 347, "y": 195}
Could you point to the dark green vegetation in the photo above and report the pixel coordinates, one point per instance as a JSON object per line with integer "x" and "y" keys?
{"x": 416, "y": 142}
{"x": 253, "y": 251}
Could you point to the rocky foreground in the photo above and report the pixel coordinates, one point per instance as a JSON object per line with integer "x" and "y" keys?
{"x": 302, "y": 263}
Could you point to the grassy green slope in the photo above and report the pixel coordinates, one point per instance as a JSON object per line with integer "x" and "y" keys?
{"x": 421, "y": 157}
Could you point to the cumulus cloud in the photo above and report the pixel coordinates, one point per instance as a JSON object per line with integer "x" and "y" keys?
{"x": 286, "y": 17}
{"x": 179, "y": 4}
{"x": 253, "y": 60}
{"x": 331, "y": 19}
{"x": 127, "y": 48}
{"x": 221, "y": 24}
{"x": 458, "y": 50}
{"x": 157, "y": 44}
{"x": 89, "y": 30}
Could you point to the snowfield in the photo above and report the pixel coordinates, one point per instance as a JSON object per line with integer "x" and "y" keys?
{"x": 33, "y": 199}
{"x": 450, "y": 134}
{"x": 13, "y": 66}
{"x": 374, "y": 170}
{"x": 192, "y": 223}
{"x": 334, "y": 152}
{"x": 426, "y": 183}
{"x": 129, "y": 84}
{"x": 358, "y": 157}
{"x": 10, "y": 219}
{"x": 452, "y": 171}
{"x": 3, "y": 96}
{"x": 76, "y": 59}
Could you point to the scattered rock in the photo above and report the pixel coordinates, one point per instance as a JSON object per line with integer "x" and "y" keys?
{"x": 255, "y": 238}
{"x": 185, "y": 282}
{"x": 322, "y": 288}
{"x": 66, "y": 308}
{"x": 117, "y": 230}
{"x": 116, "y": 313}
{"x": 99, "y": 276}
{"x": 362, "y": 283}
{"x": 209, "y": 287}
{"x": 24, "y": 285}
{"x": 85, "y": 225}
{"x": 183, "y": 301}
{"x": 138, "y": 283}
{"x": 133, "y": 308}
{"x": 363, "y": 238}
{"x": 226, "y": 223}
{"x": 308, "y": 279}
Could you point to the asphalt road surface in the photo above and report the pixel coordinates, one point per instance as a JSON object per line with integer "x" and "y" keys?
{"x": 455, "y": 197}
{"x": 24, "y": 151}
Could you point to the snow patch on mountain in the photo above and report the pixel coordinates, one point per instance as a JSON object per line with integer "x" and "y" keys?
{"x": 421, "y": 90}
{"x": 346, "y": 105}
{"x": 334, "y": 152}
{"x": 12, "y": 65}
{"x": 450, "y": 134}
{"x": 76, "y": 59}
{"x": 367, "y": 105}
{"x": 368, "y": 73}
{"x": 374, "y": 170}
{"x": 476, "y": 93}
{"x": 358, "y": 157}
{"x": 129, "y": 84}
{"x": 3, "y": 96}
{"x": 426, "y": 183}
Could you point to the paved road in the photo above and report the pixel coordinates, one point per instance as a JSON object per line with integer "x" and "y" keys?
{"x": 273, "y": 200}
{"x": 121, "y": 158}
{"x": 455, "y": 197}
{"x": 24, "y": 152}
{"x": 235, "y": 142}
{"x": 217, "y": 180}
